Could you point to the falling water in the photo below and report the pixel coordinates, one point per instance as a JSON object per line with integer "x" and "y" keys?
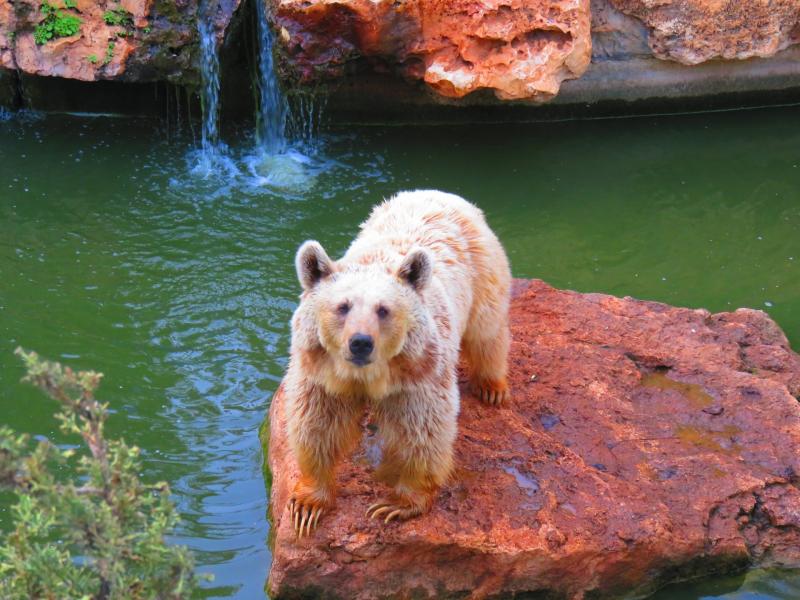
{"x": 275, "y": 161}
{"x": 213, "y": 160}
{"x": 209, "y": 69}
{"x": 305, "y": 118}
{"x": 273, "y": 109}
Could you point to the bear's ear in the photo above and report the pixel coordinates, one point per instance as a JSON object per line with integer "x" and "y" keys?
{"x": 416, "y": 268}
{"x": 312, "y": 264}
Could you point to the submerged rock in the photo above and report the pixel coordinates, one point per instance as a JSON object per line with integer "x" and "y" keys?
{"x": 644, "y": 444}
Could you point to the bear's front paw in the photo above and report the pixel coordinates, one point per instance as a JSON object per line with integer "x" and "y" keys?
{"x": 493, "y": 393}
{"x": 394, "y": 509}
{"x": 305, "y": 511}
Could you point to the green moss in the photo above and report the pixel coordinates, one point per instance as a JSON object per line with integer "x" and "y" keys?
{"x": 263, "y": 436}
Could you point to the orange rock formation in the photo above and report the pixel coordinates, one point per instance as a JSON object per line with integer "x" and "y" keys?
{"x": 644, "y": 444}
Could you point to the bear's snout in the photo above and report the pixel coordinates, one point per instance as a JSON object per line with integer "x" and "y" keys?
{"x": 361, "y": 346}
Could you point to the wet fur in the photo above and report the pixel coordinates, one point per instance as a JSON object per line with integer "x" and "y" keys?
{"x": 458, "y": 307}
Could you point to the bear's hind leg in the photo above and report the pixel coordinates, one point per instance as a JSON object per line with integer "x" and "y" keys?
{"x": 418, "y": 433}
{"x": 487, "y": 360}
{"x": 486, "y": 340}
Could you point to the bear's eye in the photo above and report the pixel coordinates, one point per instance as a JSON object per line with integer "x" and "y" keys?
{"x": 343, "y": 308}
{"x": 383, "y": 312}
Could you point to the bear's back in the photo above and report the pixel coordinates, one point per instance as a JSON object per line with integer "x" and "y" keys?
{"x": 443, "y": 223}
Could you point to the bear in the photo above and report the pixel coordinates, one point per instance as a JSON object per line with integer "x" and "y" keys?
{"x": 424, "y": 284}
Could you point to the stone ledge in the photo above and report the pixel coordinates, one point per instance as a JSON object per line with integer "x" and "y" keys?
{"x": 644, "y": 444}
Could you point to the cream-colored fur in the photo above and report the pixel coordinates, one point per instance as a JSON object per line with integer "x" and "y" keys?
{"x": 428, "y": 281}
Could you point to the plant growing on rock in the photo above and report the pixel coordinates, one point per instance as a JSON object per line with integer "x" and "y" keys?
{"x": 99, "y": 535}
{"x": 119, "y": 17}
{"x": 109, "y": 52}
{"x": 56, "y": 23}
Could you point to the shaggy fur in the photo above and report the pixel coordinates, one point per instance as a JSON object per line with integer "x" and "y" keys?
{"x": 428, "y": 281}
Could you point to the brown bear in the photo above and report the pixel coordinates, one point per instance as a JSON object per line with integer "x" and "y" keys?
{"x": 425, "y": 281}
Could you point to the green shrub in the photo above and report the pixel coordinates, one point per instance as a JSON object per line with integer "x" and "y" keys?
{"x": 85, "y": 526}
{"x": 56, "y": 23}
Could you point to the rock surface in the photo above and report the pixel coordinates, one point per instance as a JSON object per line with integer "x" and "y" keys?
{"x": 694, "y": 31}
{"x": 383, "y": 57}
{"x": 644, "y": 444}
{"x": 516, "y": 48}
{"x": 639, "y": 49}
{"x": 156, "y": 40}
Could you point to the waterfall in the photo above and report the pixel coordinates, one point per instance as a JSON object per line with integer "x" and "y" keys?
{"x": 275, "y": 160}
{"x": 273, "y": 108}
{"x": 212, "y": 161}
{"x": 209, "y": 69}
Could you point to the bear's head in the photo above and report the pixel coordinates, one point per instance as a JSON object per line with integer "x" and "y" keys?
{"x": 362, "y": 313}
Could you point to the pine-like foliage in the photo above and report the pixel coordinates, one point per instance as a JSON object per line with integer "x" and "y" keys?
{"x": 85, "y": 526}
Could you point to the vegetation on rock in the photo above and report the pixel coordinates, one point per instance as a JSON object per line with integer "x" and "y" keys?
{"x": 109, "y": 52}
{"x": 85, "y": 525}
{"x": 56, "y": 22}
{"x": 118, "y": 17}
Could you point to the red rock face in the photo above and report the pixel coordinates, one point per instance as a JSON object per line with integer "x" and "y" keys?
{"x": 157, "y": 42}
{"x": 694, "y": 31}
{"x": 644, "y": 443}
{"x": 520, "y": 49}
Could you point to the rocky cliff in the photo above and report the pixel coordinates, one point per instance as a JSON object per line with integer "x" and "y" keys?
{"x": 372, "y": 55}
{"x": 518, "y": 48}
{"x": 644, "y": 444}
{"x": 90, "y": 40}
{"x": 525, "y": 49}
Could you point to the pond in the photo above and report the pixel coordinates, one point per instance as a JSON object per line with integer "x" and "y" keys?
{"x": 120, "y": 252}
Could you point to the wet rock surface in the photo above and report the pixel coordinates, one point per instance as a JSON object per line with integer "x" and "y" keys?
{"x": 127, "y": 40}
{"x": 519, "y": 49}
{"x": 644, "y": 444}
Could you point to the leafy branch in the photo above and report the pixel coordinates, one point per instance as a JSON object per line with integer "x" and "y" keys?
{"x": 99, "y": 535}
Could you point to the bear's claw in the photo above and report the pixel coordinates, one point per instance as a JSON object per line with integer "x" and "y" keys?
{"x": 392, "y": 511}
{"x": 493, "y": 395}
{"x": 305, "y": 516}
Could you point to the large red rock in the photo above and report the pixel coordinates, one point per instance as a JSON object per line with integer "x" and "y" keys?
{"x": 644, "y": 444}
{"x": 694, "y": 31}
{"x": 158, "y": 42}
{"x": 516, "y": 48}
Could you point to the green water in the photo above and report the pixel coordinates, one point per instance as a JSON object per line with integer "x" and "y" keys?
{"x": 179, "y": 287}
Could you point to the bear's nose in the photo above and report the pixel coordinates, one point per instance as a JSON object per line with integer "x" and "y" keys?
{"x": 361, "y": 345}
